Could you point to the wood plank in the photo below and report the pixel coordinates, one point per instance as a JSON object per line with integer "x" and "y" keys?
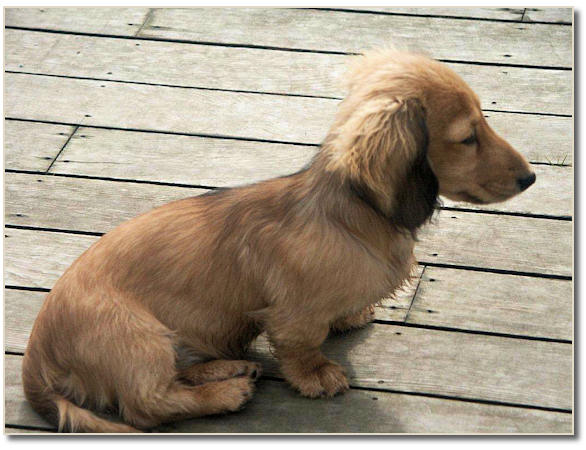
{"x": 227, "y": 163}
{"x": 454, "y": 364}
{"x": 277, "y": 409}
{"x": 268, "y": 117}
{"x": 502, "y": 88}
{"x": 554, "y": 15}
{"x": 551, "y": 15}
{"x": 20, "y": 311}
{"x": 494, "y": 302}
{"x": 483, "y": 41}
{"x": 82, "y": 205}
{"x": 38, "y": 259}
{"x": 512, "y": 14}
{"x": 117, "y": 21}
{"x": 521, "y": 244}
{"x": 518, "y": 243}
{"x": 33, "y": 146}
{"x": 178, "y": 159}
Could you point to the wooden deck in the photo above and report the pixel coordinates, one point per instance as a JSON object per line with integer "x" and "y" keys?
{"x": 110, "y": 112}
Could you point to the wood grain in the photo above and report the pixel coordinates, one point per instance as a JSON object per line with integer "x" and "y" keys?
{"x": 512, "y": 14}
{"x": 33, "y": 146}
{"x": 490, "y": 42}
{"x": 82, "y": 205}
{"x": 277, "y": 118}
{"x": 38, "y": 259}
{"x": 494, "y": 302}
{"x": 500, "y": 88}
{"x": 521, "y": 244}
{"x": 119, "y": 21}
{"x": 454, "y": 364}
{"x": 277, "y": 409}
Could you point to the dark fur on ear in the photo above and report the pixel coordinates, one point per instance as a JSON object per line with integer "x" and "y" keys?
{"x": 384, "y": 154}
{"x": 416, "y": 196}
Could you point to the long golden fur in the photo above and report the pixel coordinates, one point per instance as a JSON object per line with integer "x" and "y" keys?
{"x": 295, "y": 256}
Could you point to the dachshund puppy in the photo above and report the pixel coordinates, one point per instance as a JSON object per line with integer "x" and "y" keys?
{"x": 294, "y": 256}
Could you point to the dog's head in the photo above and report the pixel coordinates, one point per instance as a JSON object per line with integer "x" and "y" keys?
{"x": 411, "y": 128}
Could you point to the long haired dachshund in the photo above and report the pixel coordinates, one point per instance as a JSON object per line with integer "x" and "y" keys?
{"x": 295, "y": 256}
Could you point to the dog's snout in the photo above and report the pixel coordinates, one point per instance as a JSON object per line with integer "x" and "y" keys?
{"x": 525, "y": 182}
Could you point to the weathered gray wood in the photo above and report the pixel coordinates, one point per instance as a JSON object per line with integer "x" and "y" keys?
{"x": 20, "y": 311}
{"x": 555, "y": 15}
{"x": 280, "y": 118}
{"x": 82, "y": 205}
{"x": 225, "y": 163}
{"x": 345, "y": 32}
{"x": 502, "y": 88}
{"x": 38, "y": 259}
{"x": 494, "y": 302}
{"x": 117, "y": 21}
{"x": 552, "y": 15}
{"x": 277, "y": 409}
{"x": 33, "y": 146}
{"x": 178, "y": 159}
{"x": 500, "y": 242}
{"x": 516, "y": 243}
{"x": 512, "y": 14}
{"x": 448, "y": 363}
{"x": 318, "y": 30}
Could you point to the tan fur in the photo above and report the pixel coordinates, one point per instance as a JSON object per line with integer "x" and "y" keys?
{"x": 294, "y": 256}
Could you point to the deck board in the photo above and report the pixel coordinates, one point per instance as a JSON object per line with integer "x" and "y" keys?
{"x": 277, "y": 409}
{"x": 512, "y": 14}
{"x": 433, "y": 362}
{"x": 117, "y": 21}
{"x": 498, "y": 303}
{"x": 33, "y": 146}
{"x": 313, "y": 30}
{"x": 251, "y": 116}
{"x": 501, "y": 88}
{"x": 490, "y": 42}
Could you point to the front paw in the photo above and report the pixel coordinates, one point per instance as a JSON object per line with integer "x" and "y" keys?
{"x": 326, "y": 380}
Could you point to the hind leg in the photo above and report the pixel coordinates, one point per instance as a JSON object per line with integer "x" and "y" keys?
{"x": 180, "y": 401}
{"x": 219, "y": 370}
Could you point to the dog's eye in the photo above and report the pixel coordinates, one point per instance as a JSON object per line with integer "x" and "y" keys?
{"x": 469, "y": 140}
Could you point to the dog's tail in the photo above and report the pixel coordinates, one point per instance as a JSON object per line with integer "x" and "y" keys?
{"x": 61, "y": 412}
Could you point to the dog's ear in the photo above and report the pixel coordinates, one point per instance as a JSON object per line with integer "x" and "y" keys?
{"x": 416, "y": 194}
{"x": 382, "y": 148}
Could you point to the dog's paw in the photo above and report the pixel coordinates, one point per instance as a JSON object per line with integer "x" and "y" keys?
{"x": 353, "y": 321}
{"x": 232, "y": 394}
{"x": 325, "y": 381}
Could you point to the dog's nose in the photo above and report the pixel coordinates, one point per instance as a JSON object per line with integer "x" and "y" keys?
{"x": 524, "y": 183}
